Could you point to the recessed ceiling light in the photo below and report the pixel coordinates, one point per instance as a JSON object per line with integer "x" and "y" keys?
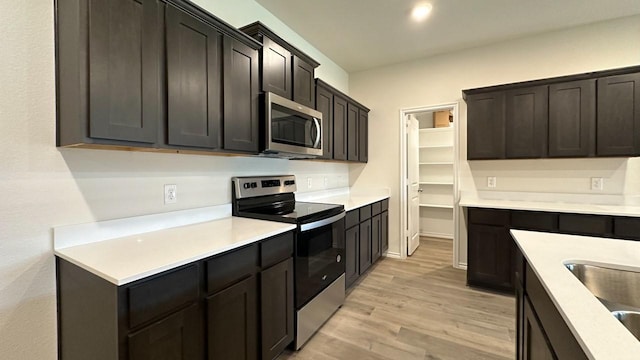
{"x": 421, "y": 11}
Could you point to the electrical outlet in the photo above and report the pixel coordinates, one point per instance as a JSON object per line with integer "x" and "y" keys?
{"x": 170, "y": 193}
{"x": 597, "y": 183}
{"x": 309, "y": 183}
{"x": 491, "y": 181}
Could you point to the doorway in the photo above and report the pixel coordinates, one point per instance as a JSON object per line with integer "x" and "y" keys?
{"x": 429, "y": 189}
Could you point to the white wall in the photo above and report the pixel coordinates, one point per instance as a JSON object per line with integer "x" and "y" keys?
{"x": 43, "y": 187}
{"x": 440, "y": 79}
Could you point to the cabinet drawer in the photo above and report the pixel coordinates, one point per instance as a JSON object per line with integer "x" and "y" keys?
{"x": 488, "y": 216}
{"x": 628, "y": 228}
{"x": 158, "y": 296}
{"x": 376, "y": 208}
{"x": 352, "y": 219}
{"x": 365, "y": 213}
{"x": 385, "y": 205}
{"x": 585, "y": 224}
{"x": 229, "y": 268}
{"x": 533, "y": 220}
{"x": 276, "y": 249}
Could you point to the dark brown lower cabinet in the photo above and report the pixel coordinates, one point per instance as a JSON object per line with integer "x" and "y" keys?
{"x": 176, "y": 337}
{"x": 489, "y": 257}
{"x": 536, "y": 345}
{"x": 365, "y": 245}
{"x": 232, "y": 320}
{"x": 376, "y": 237}
{"x": 276, "y": 308}
{"x": 352, "y": 255}
{"x": 384, "y": 232}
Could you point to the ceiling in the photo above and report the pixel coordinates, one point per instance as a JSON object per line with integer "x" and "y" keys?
{"x": 364, "y": 34}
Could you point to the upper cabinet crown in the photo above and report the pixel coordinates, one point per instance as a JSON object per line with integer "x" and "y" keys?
{"x": 286, "y": 71}
{"x": 154, "y": 74}
{"x": 556, "y": 117}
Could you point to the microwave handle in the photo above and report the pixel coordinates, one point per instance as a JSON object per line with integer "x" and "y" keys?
{"x": 319, "y": 136}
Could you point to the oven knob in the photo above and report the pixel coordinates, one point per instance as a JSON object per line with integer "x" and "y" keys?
{"x": 246, "y": 185}
{"x": 324, "y": 277}
{"x": 254, "y": 185}
{"x": 338, "y": 258}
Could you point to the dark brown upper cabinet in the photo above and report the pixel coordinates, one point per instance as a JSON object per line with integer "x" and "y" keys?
{"x": 194, "y": 81}
{"x": 363, "y": 134}
{"x": 241, "y": 95}
{"x": 353, "y": 133}
{"x": 149, "y": 73}
{"x": 556, "y": 117}
{"x": 486, "y": 126}
{"x": 526, "y": 122}
{"x": 108, "y": 66}
{"x": 618, "y": 126}
{"x": 572, "y": 119}
{"x": 286, "y": 70}
{"x": 324, "y": 104}
{"x": 276, "y": 68}
{"x": 339, "y": 128}
{"x": 304, "y": 86}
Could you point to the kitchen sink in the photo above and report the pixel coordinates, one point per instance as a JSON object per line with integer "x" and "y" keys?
{"x": 618, "y": 290}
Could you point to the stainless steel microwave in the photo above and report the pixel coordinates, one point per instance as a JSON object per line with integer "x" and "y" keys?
{"x": 292, "y": 130}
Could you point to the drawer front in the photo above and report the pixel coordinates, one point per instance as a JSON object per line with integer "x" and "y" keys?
{"x": 626, "y": 228}
{"x": 585, "y": 224}
{"x": 488, "y": 216}
{"x": 229, "y": 268}
{"x": 276, "y": 249}
{"x": 162, "y": 294}
{"x": 352, "y": 219}
{"x": 376, "y": 208}
{"x": 365, "y": 213}
{"x": 533, "y": 220}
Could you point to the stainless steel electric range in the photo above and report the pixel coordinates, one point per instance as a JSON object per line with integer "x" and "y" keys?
{"x": 319, "y": 246}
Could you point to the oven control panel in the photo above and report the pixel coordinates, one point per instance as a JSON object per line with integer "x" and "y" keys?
{"x": 251, "y": 186}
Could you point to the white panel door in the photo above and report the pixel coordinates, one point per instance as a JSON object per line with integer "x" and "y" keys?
{"x": 413, "y": 184}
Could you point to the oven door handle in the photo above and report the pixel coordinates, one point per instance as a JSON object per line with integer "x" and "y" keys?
{"x": 323, "y": 222}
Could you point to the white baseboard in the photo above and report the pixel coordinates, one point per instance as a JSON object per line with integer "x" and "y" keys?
{"x": 438, "y": 235}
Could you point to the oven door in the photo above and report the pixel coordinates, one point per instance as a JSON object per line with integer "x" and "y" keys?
{"x": 292, "y": 128}
{"x": 319, "y": 258}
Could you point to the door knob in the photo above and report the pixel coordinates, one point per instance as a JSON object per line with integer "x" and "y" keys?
{"x": 419, "y": 190}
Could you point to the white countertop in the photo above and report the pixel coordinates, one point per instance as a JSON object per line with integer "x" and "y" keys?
{"x": 126, "y": 259}
{"x": 601, "y": 336}
{"x": 578, "y": 208}
{"x": 350, "y": 200}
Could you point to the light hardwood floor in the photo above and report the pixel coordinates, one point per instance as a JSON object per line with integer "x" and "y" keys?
{"x": 419, "y": 308}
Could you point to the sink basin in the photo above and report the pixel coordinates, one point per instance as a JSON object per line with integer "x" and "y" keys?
{"x": 630, "y": 319}
{"x": 618, "y": 290}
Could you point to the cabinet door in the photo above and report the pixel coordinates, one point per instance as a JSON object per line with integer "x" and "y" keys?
{"x": 324, "y": 104}
{"x": 194, "y": 79}
{"x": 526, "y": 122}
{"x": 489, "y": 257}
{"x": 176, "y": 337}
{"x": 486, "y": 126}
{"x": 365, "y": 246}
{"x": 241, "y": 123}
{"x": 618, "y": 125}
{"x": 232, "y": 321}
{"x": 384, "y": 232}
{"x": 276, "y": 68}
{"x": 572, "y": 114}
{"x": 339, "y": 128}
{"x": 277, "y": 311}
{"x": 124, "y": 58}
{"x": 304, "y": 85}
{"x": 535, "y": 343}
{"x": 352, "y": 255}
{"x": 363, "y": 125}
{"x": 376, "y": 237}
{"x": 353, "y": 137}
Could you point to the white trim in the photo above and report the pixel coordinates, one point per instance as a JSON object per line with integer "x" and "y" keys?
{"x": 437, "y": 235}
{"x": 436, "y": 206}
{"x": 404, "y": 112}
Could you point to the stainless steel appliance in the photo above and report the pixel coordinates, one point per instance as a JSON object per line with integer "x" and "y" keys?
{"x": 292, "y": 130}
{"x": 319, "y": 246}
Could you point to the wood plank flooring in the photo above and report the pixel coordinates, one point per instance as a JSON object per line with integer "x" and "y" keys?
{"x": 419, "y": 308}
